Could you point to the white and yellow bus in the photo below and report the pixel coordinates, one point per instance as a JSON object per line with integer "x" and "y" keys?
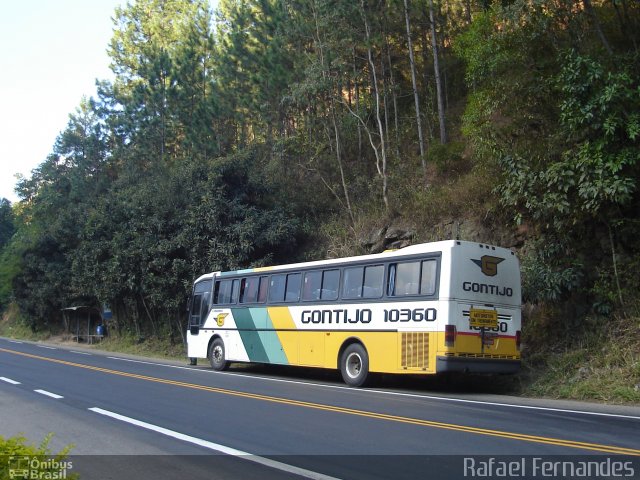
{"x": 423, "y": 309}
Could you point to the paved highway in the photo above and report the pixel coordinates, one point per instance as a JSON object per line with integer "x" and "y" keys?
{"x": 150, "y": 419}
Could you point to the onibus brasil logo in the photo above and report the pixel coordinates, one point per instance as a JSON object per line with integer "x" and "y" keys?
{"x": 38, "y": 468}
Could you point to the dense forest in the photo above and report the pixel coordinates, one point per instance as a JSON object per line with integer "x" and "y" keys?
{"x": 269, "y": 131}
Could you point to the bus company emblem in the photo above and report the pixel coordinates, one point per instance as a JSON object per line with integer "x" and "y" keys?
{"x": 488, "y": 264}
{"x": 220, "y": 319}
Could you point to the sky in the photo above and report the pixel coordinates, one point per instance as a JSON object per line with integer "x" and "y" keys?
{"x": 52, "y": 52}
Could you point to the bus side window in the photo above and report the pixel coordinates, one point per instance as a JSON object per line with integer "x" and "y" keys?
{"x": 205, "y": 307}
{"x": 276, "y": 288}
{"x": 352, "y": 283}
{"x": 363, "y": 282}
{"x": 196, "y": 306}
{"x": 226, "y": 291}
{"x": 235, "y": 290}
{"x": 330, "y": 284}
{"x": 249, "y": 290}
{"x": 412, "y": 278}
{"x": 219, "y": 292}
{"x": 428, "y": 279}
{"x": 392, "y": 280}
{"x": 262, "y": 289}
{"x": 293, "y": 287}
{"x": 373, "y": 280}
{"x": 408, "y": 278}
{"x": 244, "y": 290}
{"x": 312, "y": 285}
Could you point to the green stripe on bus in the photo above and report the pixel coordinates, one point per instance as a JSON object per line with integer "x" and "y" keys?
{"x": 250, "y": 338}
{"x": 268, "y": 336}
{"x": 259, "y": 336}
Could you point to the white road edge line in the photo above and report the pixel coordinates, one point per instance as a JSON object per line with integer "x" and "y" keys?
{"x": 385, "y": 392}
{"x": 44, "y": 346}
{"x": 79, "y": 353}
{"x": 15, "y": 341}
{"x": 8, "y": 380}
{"x": 49, "y": 394}
{"x": 217, "y": 447}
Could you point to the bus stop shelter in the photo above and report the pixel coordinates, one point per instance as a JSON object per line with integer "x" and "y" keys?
{"x": 82, "y": 321}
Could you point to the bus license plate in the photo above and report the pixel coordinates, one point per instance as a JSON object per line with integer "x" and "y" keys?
{"x": 489, "y": 338}
{"x": 483, "y": 318}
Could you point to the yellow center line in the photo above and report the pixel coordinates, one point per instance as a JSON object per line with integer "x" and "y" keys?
{"x": 350, "y": 411}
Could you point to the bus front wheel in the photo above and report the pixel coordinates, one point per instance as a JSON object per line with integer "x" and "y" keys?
{"x": 217, "y": 355}
{"x": 354, "y": 365}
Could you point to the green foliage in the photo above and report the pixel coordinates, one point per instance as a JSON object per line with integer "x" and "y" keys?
{"x": 7, "y": 227}
{"x": 599, "y": 108}
{"x": 598, "y": 363}
{"x": 595, "y": 168}
{"x": 148, "y": 239}
{"x": 162, "y": 345}
{"x": 568, "y": 166}
{"x": 549, "y": 271}
{"x": 446, "y": 158}
{"x": 9, "y": 266}
{"x": 42, "y": 462}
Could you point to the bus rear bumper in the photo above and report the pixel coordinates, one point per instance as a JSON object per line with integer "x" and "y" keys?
{"x": 476, "y": 365}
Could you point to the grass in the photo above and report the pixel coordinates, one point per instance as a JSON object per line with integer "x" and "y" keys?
{"x": 13, "y": 326}
{"x": 148, "y": 347}
{"x": 601, "y": 364}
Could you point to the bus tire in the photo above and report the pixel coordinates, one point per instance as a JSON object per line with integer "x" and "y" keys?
{"x": 217, "y": 356}
{"x": 354, "y": 365}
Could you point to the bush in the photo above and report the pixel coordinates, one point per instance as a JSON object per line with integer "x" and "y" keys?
{"x": 19, "y": 460}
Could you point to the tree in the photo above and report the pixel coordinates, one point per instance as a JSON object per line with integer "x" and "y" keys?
{"x": 570, "y": 167}
{"x": 143, "y": 52}
{"x": 8, "y": 257}
{"x": 380, "y": 150}
{"x": 436, "y": 69}
{"x": 7, "y": 227}
{"x": 415, "y": 91}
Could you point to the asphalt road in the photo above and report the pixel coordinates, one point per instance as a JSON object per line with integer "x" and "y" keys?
{"x": 135, "y": 418}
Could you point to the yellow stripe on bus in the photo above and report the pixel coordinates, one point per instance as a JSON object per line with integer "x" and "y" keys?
{"x": 286, "y": 329}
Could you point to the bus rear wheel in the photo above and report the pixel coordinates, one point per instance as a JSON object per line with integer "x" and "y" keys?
{"x": 354, "y": 365}
{"x": 217, "y": 355}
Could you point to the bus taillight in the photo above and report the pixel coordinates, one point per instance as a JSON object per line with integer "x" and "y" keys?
{"x": 518, "y": 339}
{"x": 449, "y": 335}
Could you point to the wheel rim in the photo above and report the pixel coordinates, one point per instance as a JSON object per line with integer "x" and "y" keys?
{"x": 353, "y": 365}
{"x": 218, "y": 354}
